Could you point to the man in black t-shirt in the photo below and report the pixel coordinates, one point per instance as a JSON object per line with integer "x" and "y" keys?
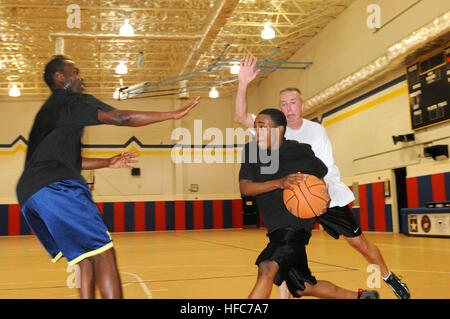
{"x": 284, "y": 258}
{"x": 54, "y": 198}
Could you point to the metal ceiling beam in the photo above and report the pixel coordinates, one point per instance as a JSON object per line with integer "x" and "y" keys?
{"x": 100, "y": 8}
{"x": 223, "y": 11}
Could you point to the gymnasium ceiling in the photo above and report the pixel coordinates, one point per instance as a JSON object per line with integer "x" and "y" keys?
{"x": 175, "y": 36}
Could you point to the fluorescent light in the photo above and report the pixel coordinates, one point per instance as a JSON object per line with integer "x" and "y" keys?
{"x": 268, "y": 33}
{"x": 126, "y": 29}
{"x": 235, "y": 68}
{"x": 116, "y": 94}
{"x": 14, "y": 91}
{"x": 121, "y": 68}
{"x": 213, "y": 93}
{"x": 183, "y": 94}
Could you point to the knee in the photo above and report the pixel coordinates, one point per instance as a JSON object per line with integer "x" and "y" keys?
{"x": 308, "y": 291}
{"x": 267, "y": 269}
{"x": 359, "y": 243}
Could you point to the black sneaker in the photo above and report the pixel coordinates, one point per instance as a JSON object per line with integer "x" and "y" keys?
{"x": 368, "y": 294}
{"x": 399, "y": 288}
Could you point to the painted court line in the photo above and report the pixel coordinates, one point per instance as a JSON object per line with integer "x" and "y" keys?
{"x": 139, "y": 280}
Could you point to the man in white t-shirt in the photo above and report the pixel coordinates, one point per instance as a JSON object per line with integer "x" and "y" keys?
{"x": 339, "y": 219}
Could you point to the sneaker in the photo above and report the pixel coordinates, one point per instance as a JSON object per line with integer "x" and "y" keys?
{"x": 368, "y": 294}
{"x": 399, "y": 288}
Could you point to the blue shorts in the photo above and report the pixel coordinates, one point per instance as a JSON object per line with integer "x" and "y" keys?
{"x": 67, "y": 222}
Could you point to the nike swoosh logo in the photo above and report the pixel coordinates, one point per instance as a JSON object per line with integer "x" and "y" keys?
{"x": 356, "y": 230}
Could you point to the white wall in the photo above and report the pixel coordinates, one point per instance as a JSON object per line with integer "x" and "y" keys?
{"x": 342, "y": 47}
{"x": 161, "y": 178}
{"x": 347, "y": 44}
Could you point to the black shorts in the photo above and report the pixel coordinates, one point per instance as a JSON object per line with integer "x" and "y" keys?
{"x": 287, "y": 249}
{"x": 339, "y": 221}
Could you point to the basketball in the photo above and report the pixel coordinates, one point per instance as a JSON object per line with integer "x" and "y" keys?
{"x": 307, "y": 199}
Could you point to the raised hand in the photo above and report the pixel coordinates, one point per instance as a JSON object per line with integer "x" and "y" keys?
{"x": 182, "y": 112}
{"x": 247, "y": 72}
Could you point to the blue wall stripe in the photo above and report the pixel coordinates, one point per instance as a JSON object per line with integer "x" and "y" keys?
{"x": 425, "y": 190}
{"x": 189, "y": 207}
{"x": 227, "y": 209}
{"x": 362, "y": 97}
{"x": 128, "y": 143}
{"x": 4, "y": 220}
{"x": 370, "y": 210}
{"x": 149, "y": 216}
{"x": 24, "y": 229}
{"x": 128, "y": 212}
{"x": 108, "y": 216}
{"x": 208, "y": 214}
{"x": 388, "y": 214}
{"x": 170, "y": 215}
{"x": 447, "y": 185}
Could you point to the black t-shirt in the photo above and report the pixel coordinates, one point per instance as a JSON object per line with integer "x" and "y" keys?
{"x": 293, "y": 157}
{"x": 54, "y": 145}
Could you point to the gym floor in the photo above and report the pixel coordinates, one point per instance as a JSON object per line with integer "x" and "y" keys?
{"x": 220, "y": 264}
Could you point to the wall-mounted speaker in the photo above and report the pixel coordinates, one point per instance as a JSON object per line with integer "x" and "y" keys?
{"x": 436, "y": 150}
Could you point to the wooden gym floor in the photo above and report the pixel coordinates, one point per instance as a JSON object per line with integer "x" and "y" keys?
{"x": 220, "y": 264}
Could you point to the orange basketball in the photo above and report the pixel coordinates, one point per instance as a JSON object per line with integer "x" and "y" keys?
{"x": 308, "y": 198}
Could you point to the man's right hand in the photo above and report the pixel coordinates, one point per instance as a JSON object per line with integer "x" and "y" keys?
{"x": 247, "y": 72}
{"x": 296, "y": 178}
{"x": 184, "y": 111}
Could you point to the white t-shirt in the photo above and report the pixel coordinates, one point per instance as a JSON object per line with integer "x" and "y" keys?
{"x": 314, "y": 134}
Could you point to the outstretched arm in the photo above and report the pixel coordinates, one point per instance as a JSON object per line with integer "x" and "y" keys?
{"x": 247, "y": 73}
{"x": 142, "y": 118}
{"x": 119, "y": 161}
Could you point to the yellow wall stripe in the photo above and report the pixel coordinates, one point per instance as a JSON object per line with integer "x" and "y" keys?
{"x": 15, "y": 150}
{"x": 366, "y": 106}
{"x": 166, "y": 152}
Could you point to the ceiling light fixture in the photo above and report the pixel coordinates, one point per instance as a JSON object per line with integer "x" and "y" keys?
{"x": 213, "y": 93}
{"x": 235, "y": 68}
{"x": 126, "y": 29}
{"x": 14, "y": 91}
{"x": 116, "y": 94}
{"x": 121, "y": 68}
{"x": 268, "y": 33}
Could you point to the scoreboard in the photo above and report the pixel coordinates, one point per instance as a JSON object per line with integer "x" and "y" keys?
{"x": 429, "y": 89}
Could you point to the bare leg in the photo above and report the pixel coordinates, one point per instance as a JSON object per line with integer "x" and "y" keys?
{"x": 327, "y": 290}
{"x": 283, "y": 291}
{"x": 263, "y": 286}
{"x": 107, "y": 275}
{"x": 369, "y": 251}
{"x": 102, "y": 270}
{"x": 87, "y": 279}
